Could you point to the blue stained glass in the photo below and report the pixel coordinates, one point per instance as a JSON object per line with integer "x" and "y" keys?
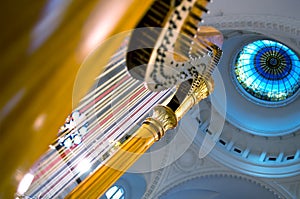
{"x": 115, "y": 192}
{"x": 268, "y": 70}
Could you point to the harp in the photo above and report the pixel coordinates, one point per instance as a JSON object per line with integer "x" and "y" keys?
{"x": 38, "y": 91}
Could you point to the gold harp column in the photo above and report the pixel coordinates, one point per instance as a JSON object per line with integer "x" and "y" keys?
{"x": 152, "y": 129}
{"x": 37, "y": 84}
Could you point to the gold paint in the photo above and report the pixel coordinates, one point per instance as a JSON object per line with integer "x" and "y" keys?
{"x": 200, "y": 90}
{"x": 47, "y": 75}
{"x": 152, "y": 130}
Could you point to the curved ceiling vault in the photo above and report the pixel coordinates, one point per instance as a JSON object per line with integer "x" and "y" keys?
{"x": 257, "y": 139}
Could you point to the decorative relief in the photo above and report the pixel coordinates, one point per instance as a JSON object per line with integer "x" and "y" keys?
{"x": 249, "y": 151}
{"x": 175, "y": 171}
{"x": 222, "y": 174}
{"x": 187, "y": 161}
{"x": 268, "y": 25}
{"x": 292, "y": 186}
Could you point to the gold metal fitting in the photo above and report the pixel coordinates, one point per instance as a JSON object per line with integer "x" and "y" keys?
{"x": 163, "y": 119}
{"x": 201, "y": 88}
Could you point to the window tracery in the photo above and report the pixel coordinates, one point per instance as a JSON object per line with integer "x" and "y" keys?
{"x": 268, "y": 70}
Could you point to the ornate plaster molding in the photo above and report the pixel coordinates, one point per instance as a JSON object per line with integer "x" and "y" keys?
{"x": 268, "y": 25}
{"x": 276, "y": 190}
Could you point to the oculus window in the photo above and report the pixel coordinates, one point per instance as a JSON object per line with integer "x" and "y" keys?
{"x": 268, "y": 70}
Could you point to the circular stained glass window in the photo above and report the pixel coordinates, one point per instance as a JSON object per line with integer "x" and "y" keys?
{"x": 268, "y": 70}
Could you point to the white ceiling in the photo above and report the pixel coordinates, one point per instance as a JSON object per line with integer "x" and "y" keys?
{"x": 224, "y": 15}
{"x": 287, "y": 8}
{"x": 180, "y": 179}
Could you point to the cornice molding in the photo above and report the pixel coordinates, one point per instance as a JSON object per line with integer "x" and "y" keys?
{"x": 269, "y": 25}
{"x": 222, "y": 173}
{"x": 284, "y": 29}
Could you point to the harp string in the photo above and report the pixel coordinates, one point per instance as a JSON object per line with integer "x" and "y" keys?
{"x": 111, "y": 111}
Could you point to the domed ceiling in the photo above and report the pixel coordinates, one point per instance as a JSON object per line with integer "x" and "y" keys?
{"x": 250, "y": 133}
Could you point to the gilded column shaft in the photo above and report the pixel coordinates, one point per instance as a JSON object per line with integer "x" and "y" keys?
{"x": 151, "y": 131}
{"x": 153, "y": 128}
